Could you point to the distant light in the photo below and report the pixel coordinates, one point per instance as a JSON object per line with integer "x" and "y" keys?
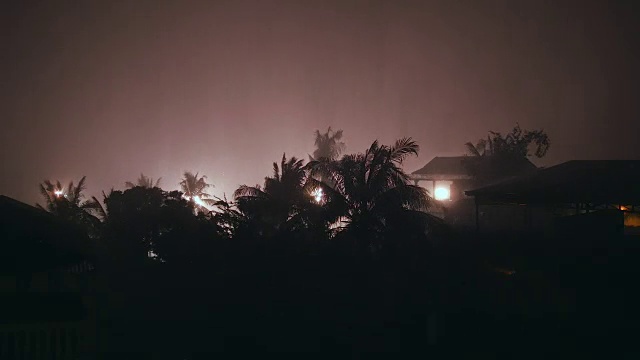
{"x": 507, "y": 272}
{"x": 442, "y": 193}
{"x": 317, "y": 194}
{"x": 198, "y": 201}
{"x": 58, "y": 193}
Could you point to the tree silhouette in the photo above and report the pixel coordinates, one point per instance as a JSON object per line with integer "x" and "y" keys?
{"x": 372, "y": 191}
{"x": 194, "y": 189}
{"x": 228, "y": 218}
{"x": 500, "y": 156}
{"x": 328, "y": 145}
{"x": 67, "y": 203}
{"x": 282, "y": 201}
{"x": 143, "y": 181}
{"x": 516, "y": 143}
{"x": 139, "y": 217}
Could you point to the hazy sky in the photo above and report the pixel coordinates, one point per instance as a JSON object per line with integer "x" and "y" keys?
{"x": 111, "y": 89}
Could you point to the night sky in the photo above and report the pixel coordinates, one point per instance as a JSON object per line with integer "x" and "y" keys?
{"x": 115, "y": 88}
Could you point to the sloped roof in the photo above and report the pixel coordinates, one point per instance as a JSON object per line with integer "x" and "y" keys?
{"x": 449, "y": 165}
{"x": 31, "y": 238}
{"x": 585, "y": 181}
{"x": 455, "y": 166}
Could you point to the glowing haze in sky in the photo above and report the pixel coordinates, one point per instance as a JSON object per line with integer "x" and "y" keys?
{"x": 115, "y": 88}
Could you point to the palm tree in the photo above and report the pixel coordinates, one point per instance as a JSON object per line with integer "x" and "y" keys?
{"x": 60, "y": 200}
{"x": 194, "y": 189}
{"x": 282, "y": 201}
{"x": 374, "y": 193}
{"x": 328, "y": 145}
{"x": 97, "y": 208}
{"x": 67, "y": 203}
{"x": 144, "y": 181}
{"x": 479, "y": 149}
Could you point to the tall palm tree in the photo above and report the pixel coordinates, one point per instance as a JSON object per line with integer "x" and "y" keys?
{"x": 194, "y": 189}
{"x": 60, "y": 200}
{"x": 144, "y": 181}
{"x": 68, "y": 203}
{"x": 374, "y": 192}
{"x": 328, "y": 145}
{"x": 280, "y": 203}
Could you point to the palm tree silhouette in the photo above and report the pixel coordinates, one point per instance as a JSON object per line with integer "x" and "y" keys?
{"x": 143, "y": 181}
{"x": 283, "y": 199}
{"x": 328, "y": 145}
{"x": 68, "y": 203}
{"x": 194, "y": 189}
{"x": 373, "y": 192}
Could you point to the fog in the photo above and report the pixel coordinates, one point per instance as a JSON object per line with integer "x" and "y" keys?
{"x": 115, "y": 88}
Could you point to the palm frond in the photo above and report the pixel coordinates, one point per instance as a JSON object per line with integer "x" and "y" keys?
{"x": 276, "y": 170}
{"x": 248, "y": 191}
{"x": 77, "y": 191}
{"x": 414, "y": 197}
{"x": 402, "y": 148}
{"x": 471, "y": 149}
{"x": 46, "y": 194}
{"x": 328, "y": 144}
{"x": 96, "y": 206}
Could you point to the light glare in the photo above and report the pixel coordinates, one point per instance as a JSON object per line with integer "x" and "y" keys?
{"x": 442, "y": 193}
{"x": 198, "y": 201}
{"x": 317, "y": 194}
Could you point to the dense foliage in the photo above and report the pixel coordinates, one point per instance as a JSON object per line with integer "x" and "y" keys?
{"x": 361, "y": 202}
{"x": 500, "y": 156}
{"x": 335, "y": 255}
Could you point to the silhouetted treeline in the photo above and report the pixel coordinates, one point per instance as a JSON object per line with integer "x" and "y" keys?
{"x": 337, "y": 255}
{"x": 317, "y": 257}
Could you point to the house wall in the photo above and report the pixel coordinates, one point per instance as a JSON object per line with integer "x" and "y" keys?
{"x": 563, "y": 222}
{"x": 515, "y": 218}
{"x": 456, "y": 187}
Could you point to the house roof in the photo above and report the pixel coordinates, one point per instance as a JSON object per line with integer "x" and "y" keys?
{"x": 454, "y": 167}
{"x": 577, "y": 181}
{"x": 441, "y": 165}
{"x": 33, "y": 239}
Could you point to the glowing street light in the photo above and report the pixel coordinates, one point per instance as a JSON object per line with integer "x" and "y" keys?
{"x": 198, "y": 201}
{"x": 58, "y": 193}
{"x": 317, "y": 194}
